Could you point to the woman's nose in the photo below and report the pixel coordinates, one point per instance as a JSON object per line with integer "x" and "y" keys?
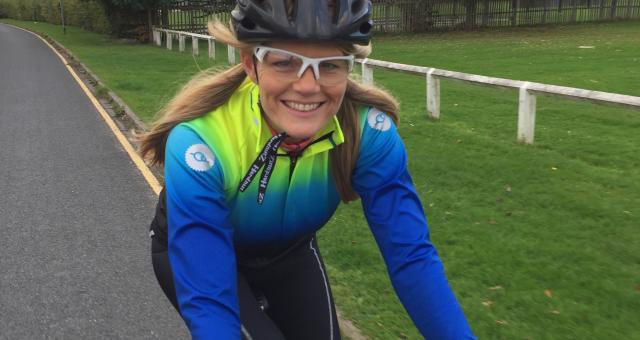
{"x": 307, "y": 82}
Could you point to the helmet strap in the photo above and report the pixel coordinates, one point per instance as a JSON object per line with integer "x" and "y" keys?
{"x": 255, "y": 69}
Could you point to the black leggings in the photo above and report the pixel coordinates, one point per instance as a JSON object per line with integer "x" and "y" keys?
{"x": 286, "y": 296}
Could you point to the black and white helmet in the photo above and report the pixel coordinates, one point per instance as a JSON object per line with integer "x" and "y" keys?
{"x": 313, "y": 20}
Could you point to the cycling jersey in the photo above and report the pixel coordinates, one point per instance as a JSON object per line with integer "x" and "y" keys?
{"x": 209, "y": 219}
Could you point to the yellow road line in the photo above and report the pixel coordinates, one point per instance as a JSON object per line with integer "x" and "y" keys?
{"x": 137, "y": 160}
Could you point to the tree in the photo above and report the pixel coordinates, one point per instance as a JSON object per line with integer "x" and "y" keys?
{"x": 131, "y": 18}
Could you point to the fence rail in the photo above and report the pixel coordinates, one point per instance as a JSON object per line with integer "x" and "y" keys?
{"x": 527, "y": 90}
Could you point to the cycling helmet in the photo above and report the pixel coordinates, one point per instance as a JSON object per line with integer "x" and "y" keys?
{"x": 268, "y": 20}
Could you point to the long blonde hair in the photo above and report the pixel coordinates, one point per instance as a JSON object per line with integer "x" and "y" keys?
{"x": 209, "y": 90}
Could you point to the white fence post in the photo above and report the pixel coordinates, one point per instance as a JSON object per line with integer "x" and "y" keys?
{"x": 194, "y": 46}
{"x": 181, "y": 42}
{"x": 231, "y": 54}
{"x": 169, "y": 41}
{"x": 433, "y": 95}
{"x": 212, "y": 48}
{"x": 367, "y": 73}
{"x": 526, "y": 115}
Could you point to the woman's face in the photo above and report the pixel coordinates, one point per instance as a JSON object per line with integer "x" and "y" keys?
{"x": 298, "y": 106}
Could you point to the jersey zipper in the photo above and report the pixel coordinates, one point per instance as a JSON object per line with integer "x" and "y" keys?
{"x": 293, "y": 160}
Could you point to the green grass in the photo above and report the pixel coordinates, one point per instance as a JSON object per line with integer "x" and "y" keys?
{"x": 510, "y": 221}
{"x": 569, "y": 224}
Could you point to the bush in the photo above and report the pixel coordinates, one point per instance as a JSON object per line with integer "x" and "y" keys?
{"x": 4, "y": 10}
{"x": 88, "y": 14}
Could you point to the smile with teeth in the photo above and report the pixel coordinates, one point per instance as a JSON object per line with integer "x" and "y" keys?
{"x": 302, "y": 107}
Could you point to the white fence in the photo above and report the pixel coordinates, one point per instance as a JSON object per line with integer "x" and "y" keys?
{"x": 527, "y": 90}
{"x": 171, "y": 35}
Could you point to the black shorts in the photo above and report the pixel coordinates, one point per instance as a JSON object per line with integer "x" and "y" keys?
{"x": 283, "y": 293}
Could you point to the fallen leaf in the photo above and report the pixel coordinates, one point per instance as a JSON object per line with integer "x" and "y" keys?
{"x": 586, "y": 47}
{"x": 487, "y": 303}
{"x": 476, "y": 222}
{"x": 353, "y": 242}
{"x": 627, "y": 212}
{"x": 379, "y": 324}
{"x": 507, "y": 188}
{"x": 638, "y": 288}
{"x": 501, "y": 322}
{"x": 548, "y": 293}
{"x": 556, "y": 312}
{"x": 495, "y": 287}
{"x": 499, "y": 200}
{"x": 554, "y": 168}
{"x": 458, "y": 141}
{"x": 493, "y": 222}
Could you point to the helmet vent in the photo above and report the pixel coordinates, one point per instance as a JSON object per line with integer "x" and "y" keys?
{"x": 248, "y": 24}
{"x": 365, "y": 28}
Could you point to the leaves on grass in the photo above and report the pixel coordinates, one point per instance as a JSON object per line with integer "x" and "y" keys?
{"x": 548, "y": 293}
{"x": 556, "y": 312}
{"x": 493, "y": 222}
{"x": 638, "y": 288}
{"x": 495, "y": 287}
{"x": 487, "y": 303}
{"x": 554, "y": 168}
{"x": 507, "y": 188}
{"x": 501, "y": 322}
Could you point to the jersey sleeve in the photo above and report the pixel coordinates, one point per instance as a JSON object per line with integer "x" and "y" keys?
{"x": 200, "y": 238}
{"x": 393, "y": 210}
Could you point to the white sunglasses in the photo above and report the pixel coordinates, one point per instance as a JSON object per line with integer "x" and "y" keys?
{"x": 288, "y": 64}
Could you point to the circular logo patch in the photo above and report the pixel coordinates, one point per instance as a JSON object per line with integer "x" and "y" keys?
{"x": 378, "y": 120}
{"x": 199, "y": 157}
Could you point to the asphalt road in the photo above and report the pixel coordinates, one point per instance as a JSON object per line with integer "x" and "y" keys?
{"x": 74, "y": 212}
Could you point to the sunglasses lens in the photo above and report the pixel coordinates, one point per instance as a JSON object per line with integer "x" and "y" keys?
{"x": 286, "y": 67}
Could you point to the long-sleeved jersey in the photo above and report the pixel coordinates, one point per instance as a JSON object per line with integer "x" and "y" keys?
{"x": 208, "y": 218}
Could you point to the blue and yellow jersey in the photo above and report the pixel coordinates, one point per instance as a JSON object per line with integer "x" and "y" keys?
{"x": 208, "y": 218}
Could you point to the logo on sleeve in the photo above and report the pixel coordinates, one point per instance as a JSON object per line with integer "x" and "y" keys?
{"x": 199, "y": 157}
{"x": 378, "y": 120}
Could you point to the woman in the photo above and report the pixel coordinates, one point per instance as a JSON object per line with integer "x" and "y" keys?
{"x": 257, "y": 159}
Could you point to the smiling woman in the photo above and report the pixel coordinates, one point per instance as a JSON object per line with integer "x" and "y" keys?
{"x": 238, "y": 256}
